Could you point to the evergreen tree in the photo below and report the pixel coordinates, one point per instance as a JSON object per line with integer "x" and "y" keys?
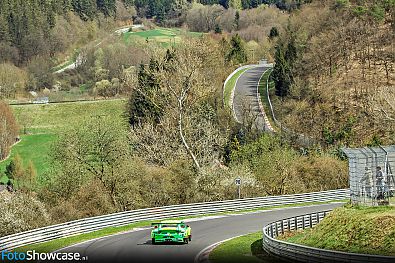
{"x": 107, "y": 7}
{"x": 14, "y": 170}
{"x": 217, "y": 29}
{"x": 237, "y": 52}
{"x": 273, "y": 32}
{"x": 237, "y": 19}
{"x": 86, "y": 9}
{"x": 281, "y": 73}
{"x": 291, "y": 53}
{"x": 143, "y": 107}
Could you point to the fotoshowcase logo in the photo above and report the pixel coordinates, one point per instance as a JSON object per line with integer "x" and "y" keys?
{"x": 32, "y": 255}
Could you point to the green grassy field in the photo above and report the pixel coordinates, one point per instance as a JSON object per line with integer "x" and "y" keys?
{"x": 52, "y": 118}
{"x": 230, "y": 85}
{"x": 366, "y": 230}
{"x": 43, "y": 122}
{"x": 164, "y": 36}
{"x": 33, "y": 148}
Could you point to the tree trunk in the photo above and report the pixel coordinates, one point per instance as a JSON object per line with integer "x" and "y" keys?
{"x": 180, "y": 130}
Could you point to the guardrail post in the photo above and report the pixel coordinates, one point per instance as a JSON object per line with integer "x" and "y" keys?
{"x": 311, "y": 221}
{"x": 276, "y": 230}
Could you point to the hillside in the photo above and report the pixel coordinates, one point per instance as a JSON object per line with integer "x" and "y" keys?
{"x": 352, "y": 229}
{"x": 338, "y": 60}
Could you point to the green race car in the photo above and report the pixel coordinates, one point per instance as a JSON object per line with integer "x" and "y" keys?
{"x": 171, "y": 231}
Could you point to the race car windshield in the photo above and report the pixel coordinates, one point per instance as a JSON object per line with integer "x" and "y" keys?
{"x": 170, "y": 225}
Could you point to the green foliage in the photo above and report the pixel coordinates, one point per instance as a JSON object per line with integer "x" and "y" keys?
{"x": 342, "y": 135}
{"x": 235, "y": 4}
{"x": 27, "y": 25}
{"x": 360, "y": 11}
{"x": 217, "y": 29}
{"x": 375, "y": 141}
{"x": 32, "y": 148}
{"x": 270, "y": 161}
{"x": 273, "y": 32}
{"x": 377, "y": 12}
{"x": 282, "y": 72}
{"x": 237, "y": 20}
{"x": 16, "y": 213}
{"x": 237, "y": 53}
{"x": 342, "y": 3}
{"x": 145, "y": 103}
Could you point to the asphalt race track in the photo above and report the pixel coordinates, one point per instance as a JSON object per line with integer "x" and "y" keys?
{"x": 136, "y": 246}
{"x": 245, "y": 101}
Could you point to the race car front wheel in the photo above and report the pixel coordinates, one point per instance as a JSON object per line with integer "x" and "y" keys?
{"x": 153, "y": 241}
{"x": 190, "y": 238}
{"x": 186, "y": 240}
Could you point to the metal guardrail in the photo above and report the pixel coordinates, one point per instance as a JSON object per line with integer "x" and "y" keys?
{"x": 125, "y": 218}
{"x": 298, "y": 253}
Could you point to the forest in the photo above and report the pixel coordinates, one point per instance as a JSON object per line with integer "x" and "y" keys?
{"x": 334, "y": 72}
{"x": 155, "y": 118}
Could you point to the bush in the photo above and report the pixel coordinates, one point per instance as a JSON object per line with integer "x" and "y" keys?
{"x": 16, "y": 213}
{"x": 8, "y": 129}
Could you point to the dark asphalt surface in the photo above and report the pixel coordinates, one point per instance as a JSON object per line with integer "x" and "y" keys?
{"x": 245, "y": 101}
{"x": 136, "y": 246}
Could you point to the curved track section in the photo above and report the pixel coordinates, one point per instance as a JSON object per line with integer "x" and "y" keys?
{"x": 246, "y": 97}
{"x": 136, "y": 246}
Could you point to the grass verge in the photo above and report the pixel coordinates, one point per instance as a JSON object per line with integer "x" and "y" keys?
{"x": 68, "y": 241}
{"x": 240, "y": 249}
{"x": 366, "y": 230}
{"x": 263, "y": 95}
{"x": 246, "y": 248}
{"x": 230, "y": 85}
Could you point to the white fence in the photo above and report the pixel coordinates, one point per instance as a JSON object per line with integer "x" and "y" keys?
{"x": 124, "y": 218}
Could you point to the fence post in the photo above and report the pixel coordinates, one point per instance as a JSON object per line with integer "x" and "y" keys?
{"x": 276, "y": 230}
